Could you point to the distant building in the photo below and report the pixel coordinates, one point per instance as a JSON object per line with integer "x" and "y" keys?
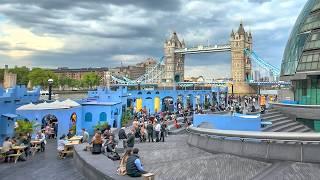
{"x": 194, "y": 79}
{"x": 79, "y": 72}
{"x": 9, "y": 79}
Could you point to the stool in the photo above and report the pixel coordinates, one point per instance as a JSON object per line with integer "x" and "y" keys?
{"x": 148, "y": 176}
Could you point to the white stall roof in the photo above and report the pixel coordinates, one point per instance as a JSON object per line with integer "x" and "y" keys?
{"x": 67, "y": 104}
{"x": 70, "y": 103}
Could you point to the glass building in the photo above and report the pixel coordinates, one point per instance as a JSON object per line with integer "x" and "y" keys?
{"x": 301, "y": 59}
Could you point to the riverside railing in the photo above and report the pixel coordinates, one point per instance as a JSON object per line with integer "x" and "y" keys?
{"x": 291, "y": 146}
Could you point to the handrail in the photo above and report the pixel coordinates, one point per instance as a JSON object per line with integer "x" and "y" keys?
{"x": 269, "y": 136}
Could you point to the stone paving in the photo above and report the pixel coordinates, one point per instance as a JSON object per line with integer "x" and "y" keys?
{"x": 44, "y": 165}
{"x": 175, "y": 159}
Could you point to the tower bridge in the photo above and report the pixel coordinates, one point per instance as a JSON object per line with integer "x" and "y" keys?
{"x": 247, "y": 68}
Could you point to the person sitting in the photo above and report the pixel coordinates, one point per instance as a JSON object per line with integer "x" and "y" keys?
{"x": 97, "y": 143}
{"x": 70, "y": 134}
{"x": 7, "y": 148}
{"x": 42, "y": 138}
{"x": 176, "y": 124}
{"x": 134, "y": 166}
{"x": 110, "y": 145}
{"x": 61, "y": 143}
{"x": 25, "y": 141}
{"x": 123, "y": 163}
{"x": 85, "y": 136}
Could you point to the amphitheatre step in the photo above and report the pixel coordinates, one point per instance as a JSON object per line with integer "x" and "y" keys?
{"x": 273, "y": 116}
{"x": 276, "y": 124}
{"x": 283, "y": 128}
{"x": 296, "y": 128}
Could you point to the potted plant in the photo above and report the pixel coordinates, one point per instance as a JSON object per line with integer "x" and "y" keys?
{"x": 25, "y": 127}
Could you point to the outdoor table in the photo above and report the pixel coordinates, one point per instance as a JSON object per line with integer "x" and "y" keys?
{"x": 35, "y": 145}
{"x": 19, "y": 150}
{"x": 75, "y": 139}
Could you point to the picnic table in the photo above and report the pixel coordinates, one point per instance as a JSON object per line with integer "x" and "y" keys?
{"x": 18, "y": 151}
{"x": 68, "y": 149}
{"x": 35, "y": 145}
{"x": 75, "y": 139}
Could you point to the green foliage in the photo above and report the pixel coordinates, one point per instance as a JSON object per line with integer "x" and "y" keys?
{"x": 39, "y": 77}
{"x": 25, "y": 127}
{"x": 101, "y": 126}
{"x": 22, "y": 74}
{"x": 1, "y": 75}
{"x": 73, "y": 129}
{"x": 91, "y": 79}
{"x": 126, "y": 117}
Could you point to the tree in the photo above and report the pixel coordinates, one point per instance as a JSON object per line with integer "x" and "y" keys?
{"x": 1, "y": 75}
{"x": 91, "y": 79}
{"x": 22, "y": 74}
{"x": 25, "y": 127}
{"x": 39, "y": 77}
{"x": 62, "y": 81}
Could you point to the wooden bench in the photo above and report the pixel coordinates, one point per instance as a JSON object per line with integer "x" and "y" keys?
{"x": 148, "y": 176}
{"x": 14, "y": 156}
{"x": 34, "y": 149}
{"x": 62, "y": 153}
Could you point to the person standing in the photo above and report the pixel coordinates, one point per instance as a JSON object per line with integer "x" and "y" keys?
{"x": 150, "y": 131}
{"x": 130, "y": 141}
{"x": 163, "y": 130}
{"x": 134, "y": 166}
{"x": 123, "y": 137}
{"x": 157, "y": 129}
{"x": 42, "y": 138}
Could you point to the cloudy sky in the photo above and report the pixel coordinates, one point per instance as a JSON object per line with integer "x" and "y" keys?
{"x": 104, "y": 33}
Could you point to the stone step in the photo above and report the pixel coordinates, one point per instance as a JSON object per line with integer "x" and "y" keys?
{"x": 283, "y": 128}
{"x": 271, "y": 116}
{"x": 296, "y": 128}
{"x": 276, "y": 124}
{"x": 278, "y": 119}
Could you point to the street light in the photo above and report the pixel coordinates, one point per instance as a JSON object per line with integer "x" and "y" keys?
{"x": 50, "y": 82}
{"x": 139, "y": 88}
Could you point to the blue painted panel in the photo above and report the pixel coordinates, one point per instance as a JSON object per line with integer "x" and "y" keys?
{"x": 228, "y": 122}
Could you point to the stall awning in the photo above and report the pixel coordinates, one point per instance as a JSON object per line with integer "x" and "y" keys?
{"x": 9, "y": 115}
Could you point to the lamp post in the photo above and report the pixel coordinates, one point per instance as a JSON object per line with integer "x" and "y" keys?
{"x": 50, "y": 82}
{"x": 139, "y": 87}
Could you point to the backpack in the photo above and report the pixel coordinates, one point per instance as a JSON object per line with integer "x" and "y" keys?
{"x": 114, "y": 156}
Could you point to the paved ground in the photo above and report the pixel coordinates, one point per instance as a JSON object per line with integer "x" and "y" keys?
{"x": 173, "y": 159}
{"x": 176, "y": 160}
{"x": 43, "y": 165}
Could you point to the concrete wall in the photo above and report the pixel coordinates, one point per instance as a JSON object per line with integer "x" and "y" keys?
{"x": 257, "y": 148}
{"x": 299, "y": 111}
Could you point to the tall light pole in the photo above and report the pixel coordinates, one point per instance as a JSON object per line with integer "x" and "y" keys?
{"x": 139, "y": 85}
{"x": 50, "y": 82}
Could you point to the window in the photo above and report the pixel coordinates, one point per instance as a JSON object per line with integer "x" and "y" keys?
{"x": 88, "y": 117}
{"x": 103, "y": 116}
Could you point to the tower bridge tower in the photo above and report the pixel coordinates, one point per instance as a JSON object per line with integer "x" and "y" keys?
{"x": 174, "y": 62}
{"x": 240, "y": 64}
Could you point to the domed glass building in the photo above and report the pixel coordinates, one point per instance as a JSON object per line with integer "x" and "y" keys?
{"x": 301, "y": 59}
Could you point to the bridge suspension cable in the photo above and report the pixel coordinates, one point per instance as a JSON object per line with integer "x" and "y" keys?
{"x": 252, "y": 55}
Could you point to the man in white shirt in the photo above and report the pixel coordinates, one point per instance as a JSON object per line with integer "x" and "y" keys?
{"x": 42, "y": 138}
{"x": 157, "y": 129}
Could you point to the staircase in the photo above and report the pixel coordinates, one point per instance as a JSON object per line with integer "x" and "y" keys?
{"x": 282, "y": 123}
